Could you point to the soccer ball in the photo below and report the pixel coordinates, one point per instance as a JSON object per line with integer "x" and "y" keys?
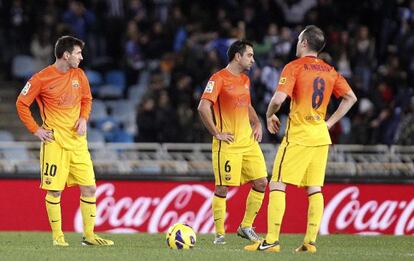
{"x": 180, "y": 236}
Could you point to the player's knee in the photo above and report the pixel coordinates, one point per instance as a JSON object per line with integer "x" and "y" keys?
{"x": 313, "y": 189}
{"x": 88, "y": 191}
{"x": 277, "y": 185}
{"x": 221, "y": 191}
{"x": 260, "y": 184}
{"x": 54, "y": 193}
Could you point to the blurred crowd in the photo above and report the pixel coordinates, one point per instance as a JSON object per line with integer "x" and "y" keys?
{"x": 178, "y": 44}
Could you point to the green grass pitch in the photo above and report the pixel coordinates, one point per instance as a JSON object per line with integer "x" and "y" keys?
{"x": 38, "y": 246}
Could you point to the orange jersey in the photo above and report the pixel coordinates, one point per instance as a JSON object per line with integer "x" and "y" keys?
{"x": 230, "y": 95}
{"x": 310, "y": 82}
{"x": 62, "y": 99}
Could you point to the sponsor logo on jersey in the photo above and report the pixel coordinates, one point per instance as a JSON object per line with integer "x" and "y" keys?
{"x": 26, "y": 88}
{"x": 282, "y": 80}
{"x": 209, "y": 87}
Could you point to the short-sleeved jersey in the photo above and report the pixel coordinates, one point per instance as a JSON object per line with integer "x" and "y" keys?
{"x": 230, "y": 95}
{"x": 310, "y": 82}
{"x": 62, "y": 99}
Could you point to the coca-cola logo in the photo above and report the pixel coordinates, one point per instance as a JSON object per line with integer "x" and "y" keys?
{"x": 346, "y": 212}
{"x": 353, "y": 209}
{"x": 190, "y": 204}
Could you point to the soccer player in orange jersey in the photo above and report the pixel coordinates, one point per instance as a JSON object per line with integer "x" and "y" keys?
{"x": 302, "y": 156}
{"x": 227, "y": 113}
{"x": 63, "y": 94}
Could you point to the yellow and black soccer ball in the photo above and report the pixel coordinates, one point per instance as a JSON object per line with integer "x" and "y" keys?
{"x": 181, "y": 236}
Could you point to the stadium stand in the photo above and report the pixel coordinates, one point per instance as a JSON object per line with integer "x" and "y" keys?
{"x": 23, "y": 67}
{"x": 195, "y": 158}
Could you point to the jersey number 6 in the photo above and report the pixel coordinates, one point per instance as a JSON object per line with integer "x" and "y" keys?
{"x": 227, "y": 167}
{"x": 318, "y": 89}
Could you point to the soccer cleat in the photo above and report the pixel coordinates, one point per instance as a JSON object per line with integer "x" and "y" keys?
{"x": 248, "y": 233}
{"x": 60, "y": 241}
{"x": 96, "y": 241}
{"x": 219, "y": 240}
{"x": 263, "y": 246}
{"x": 307, "y": 247}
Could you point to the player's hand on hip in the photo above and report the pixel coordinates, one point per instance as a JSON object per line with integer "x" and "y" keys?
{"x": 44, "y": 135}
{"x": 273, "y": 124}
{"x": 257, "y": 132}
{"x": 80, "y": 126}
{"x": 225, "y": 136}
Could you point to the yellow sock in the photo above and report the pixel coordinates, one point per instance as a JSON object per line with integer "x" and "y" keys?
{"x": 275, "y": 212}
{"x": 219, "y": 213}
{"x": 253, "y": 204}
{"x": 88, "y": 210}
{"x": 54, "y": 214}
{"x": 315, "y": 212}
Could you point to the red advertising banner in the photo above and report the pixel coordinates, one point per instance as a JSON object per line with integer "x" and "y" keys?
{"x": 153, "y": 206}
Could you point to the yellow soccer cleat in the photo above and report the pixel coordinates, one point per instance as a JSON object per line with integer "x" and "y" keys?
{"x": 96, "y": 241}
{"x": 307, "y": 247}
{"x": 263, "y": 246}
{"x": 60, "y": 241}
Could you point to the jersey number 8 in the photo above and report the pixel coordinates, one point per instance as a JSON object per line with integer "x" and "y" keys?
{"x": 318, "y": 89}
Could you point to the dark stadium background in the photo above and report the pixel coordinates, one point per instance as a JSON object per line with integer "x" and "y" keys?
{"x": 148, "y": 62}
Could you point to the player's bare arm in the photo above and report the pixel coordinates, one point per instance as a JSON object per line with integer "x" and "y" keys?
{"x": 206, "y": 115}
{"x": 81, "y": 126}
{"x": 26, "y": 116}
{"x": 273, "y": 122}
{"x": 347, "y": 102}
{"x": 256, "y": 124}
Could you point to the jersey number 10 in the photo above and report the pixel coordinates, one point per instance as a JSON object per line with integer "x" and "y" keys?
{"x": 50, "y": 171}
{"x": 318, "y": 89}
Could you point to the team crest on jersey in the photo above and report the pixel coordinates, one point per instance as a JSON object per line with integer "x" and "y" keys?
{"x": 282, "y": 80}
{"x": 75, "y": 83}
{"x": 48, "y": 181}
{"x": 26, "y": 88}
{"x": 209, "y": 87}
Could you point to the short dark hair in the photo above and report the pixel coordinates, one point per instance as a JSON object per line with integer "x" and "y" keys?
{"x": 238, "y": 46}
{"x": 315, "y": 38}
{"x": 67, "y": 43}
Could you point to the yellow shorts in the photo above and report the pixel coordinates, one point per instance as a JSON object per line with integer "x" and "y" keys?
{"x": 235, "y": 169}
{"x": 299, "y": 165}
{"x": 59, "y": 167}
